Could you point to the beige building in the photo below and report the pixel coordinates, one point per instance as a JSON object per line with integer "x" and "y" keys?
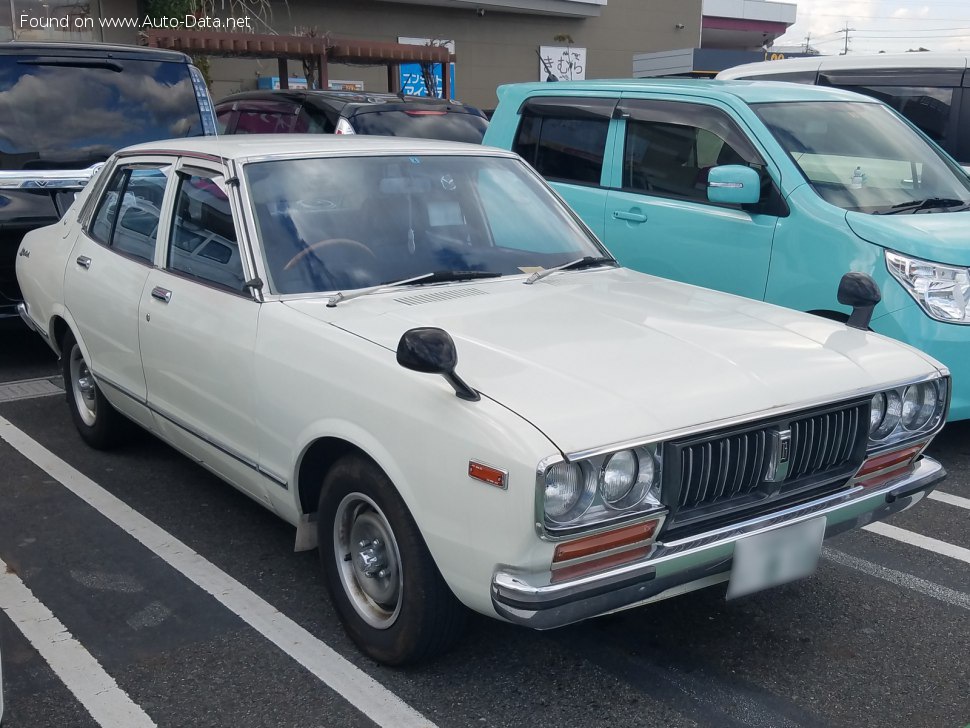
{"x": 495, "y": 41}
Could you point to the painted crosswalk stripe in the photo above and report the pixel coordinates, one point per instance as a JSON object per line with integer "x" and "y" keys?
{"x": 953, "y": 500}
{"x": 920, "y": 541}
{"x": 363, "y": 692}
{"x": 83, "y": 675}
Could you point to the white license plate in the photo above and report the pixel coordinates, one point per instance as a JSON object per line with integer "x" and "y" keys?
{"x": 776, "y": 557}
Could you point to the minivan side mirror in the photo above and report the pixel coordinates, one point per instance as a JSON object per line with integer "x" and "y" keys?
{"x": 733, "y": 184}
{"x": 861, "y": 292}
{"x": 431, "y": 350}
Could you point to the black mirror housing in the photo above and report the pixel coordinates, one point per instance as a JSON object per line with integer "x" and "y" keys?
{"x": 431, "y": 350}
{"x": 861, "y": 292}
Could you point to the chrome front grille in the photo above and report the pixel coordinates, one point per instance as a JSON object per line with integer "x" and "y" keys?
{"x": 719, "y": 473}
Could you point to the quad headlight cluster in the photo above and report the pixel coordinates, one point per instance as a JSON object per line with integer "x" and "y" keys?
{"x": 906, "y": 413}
{"x": 600, "y": 490}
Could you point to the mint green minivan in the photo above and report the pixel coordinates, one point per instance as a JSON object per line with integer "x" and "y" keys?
{"x": 767, "y": 190}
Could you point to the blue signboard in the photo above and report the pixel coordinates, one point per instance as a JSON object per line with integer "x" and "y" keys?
{"x": 412, "y": 80}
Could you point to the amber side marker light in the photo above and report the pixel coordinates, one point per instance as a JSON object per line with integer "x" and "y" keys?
{"x": 487, "y": 474}
{"x": 888, "y": 460}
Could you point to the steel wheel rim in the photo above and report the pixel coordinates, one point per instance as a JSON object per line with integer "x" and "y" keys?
{"x": 83, "y": 388}
{"x": 370, "y": 573}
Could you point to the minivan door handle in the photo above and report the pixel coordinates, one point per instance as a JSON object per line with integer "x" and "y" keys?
{"x": 161, "y": 294}
{"x": 84, "y": 261}
{"x": 629, "y": 216}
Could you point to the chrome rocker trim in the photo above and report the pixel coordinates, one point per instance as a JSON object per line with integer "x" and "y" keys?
{"x": 699, "y": 561}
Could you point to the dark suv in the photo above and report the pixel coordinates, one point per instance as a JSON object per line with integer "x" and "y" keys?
{"x": 64, "y": 108}
{"x": 345, "y": 112}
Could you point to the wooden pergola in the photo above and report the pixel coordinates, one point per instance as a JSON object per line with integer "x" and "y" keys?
{"x": 320, "y": 51}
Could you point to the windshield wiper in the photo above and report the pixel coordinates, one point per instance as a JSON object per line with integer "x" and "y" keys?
{"x": 441, "y": 276}
{"x": 585, "y": 262}
{"x": 917, "y": 205}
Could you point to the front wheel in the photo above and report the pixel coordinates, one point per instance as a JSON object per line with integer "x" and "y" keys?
{"x": 99, "y": 424}
{"x": 384, "y": 584}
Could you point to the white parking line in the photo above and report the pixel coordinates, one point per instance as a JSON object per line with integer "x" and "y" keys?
{"x": 359, "y": 689}
{"x": 899, "y": 578}
{"x": 95, "y": 689}
{"x": 953, "y": 500}
{"x": 924, "y": 542}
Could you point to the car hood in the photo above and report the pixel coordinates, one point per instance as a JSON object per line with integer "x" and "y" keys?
{"x": 600, "y": 357}
{"x": 941, "y": 237}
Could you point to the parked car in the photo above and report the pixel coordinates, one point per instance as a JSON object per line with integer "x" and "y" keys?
{"x": 932, "y": 90}
{"x": 436, "y": 373}
{"x": 766, "y": 190}
{"x": 299, "y": 111}
{"x": 64, "y": 108}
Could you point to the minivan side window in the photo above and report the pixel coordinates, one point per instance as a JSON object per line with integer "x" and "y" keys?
{"x": 670, "y": 147}
{"x": 927, "y": 107}
{"x": 564, "y": 139}
{"x": 127, "y": 217}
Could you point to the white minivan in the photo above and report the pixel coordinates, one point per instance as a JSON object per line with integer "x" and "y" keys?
{"x": 932, "y": 90}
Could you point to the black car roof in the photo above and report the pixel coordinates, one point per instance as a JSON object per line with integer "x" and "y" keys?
{"x": 88, "y": 50}
{"x": 339, "y": 99}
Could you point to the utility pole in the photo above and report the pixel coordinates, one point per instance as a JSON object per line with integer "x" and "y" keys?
{"x": 808, "y": 41}
{"x": 845, "y": 47}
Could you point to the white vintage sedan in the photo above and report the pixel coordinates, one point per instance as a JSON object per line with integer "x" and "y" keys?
{"x": 414, "y": 353}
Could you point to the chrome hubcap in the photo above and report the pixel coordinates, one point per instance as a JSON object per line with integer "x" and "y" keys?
{"x": 83, "y": 388}
{"x": 368, "y": 560}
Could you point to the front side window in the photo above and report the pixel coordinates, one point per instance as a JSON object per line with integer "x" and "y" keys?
{"x": 669, "y": 148}
{"x": 128, "y": 212}
{"x": 862, "y": 157}
{"x": 203, "y": 242}
{"x": 565, "y": 139}
{"x": 335, "y": 224}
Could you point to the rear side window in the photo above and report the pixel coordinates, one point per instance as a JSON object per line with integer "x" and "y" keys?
{"x": 128, "y": 213}
{"x": 565, "y": 139}
{"x": 70, "y": 113}
{"x": 454, "y": 126}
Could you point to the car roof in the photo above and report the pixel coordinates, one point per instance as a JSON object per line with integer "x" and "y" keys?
{"x": 99, "y": 50}
{"x": 746, "y": 91}
{"x": 831, "y": 63}
{"x": 243, "y": 147}
{"x": 337, "y": 99}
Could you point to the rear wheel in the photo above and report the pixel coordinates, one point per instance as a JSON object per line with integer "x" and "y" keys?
{"x": 384, "y": 584}
{"x": 99, "y": 424}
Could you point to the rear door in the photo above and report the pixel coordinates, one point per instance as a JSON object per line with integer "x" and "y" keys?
{"x": 658, "y": 217}
{"x": 568, "y": 141}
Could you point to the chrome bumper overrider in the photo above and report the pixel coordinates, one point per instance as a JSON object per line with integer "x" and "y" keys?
{"x": 676, "y": 567}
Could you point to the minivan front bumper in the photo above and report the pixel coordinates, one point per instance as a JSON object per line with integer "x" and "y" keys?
{"x": 677, "y": 567}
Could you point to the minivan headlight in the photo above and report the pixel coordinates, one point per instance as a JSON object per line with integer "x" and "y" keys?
{"x": 589, "y": 493}
{"x": 907, "y": 413}
{"x": 942, "y": 291}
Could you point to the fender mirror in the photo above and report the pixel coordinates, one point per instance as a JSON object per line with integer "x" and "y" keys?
{"x": 861, "y": 292}
{"x": 432, "y": 351}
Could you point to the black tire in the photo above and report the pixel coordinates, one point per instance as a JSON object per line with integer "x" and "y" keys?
{"x": 420, "y": 617}
{"x": 100, "y": 425}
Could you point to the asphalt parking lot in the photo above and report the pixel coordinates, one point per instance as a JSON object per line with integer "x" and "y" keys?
{"x": 140, "y": 590}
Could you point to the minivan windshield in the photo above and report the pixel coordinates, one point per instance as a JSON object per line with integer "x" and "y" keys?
{"x": 69, "y": 113}
{"x": 339, "y": 224}
{"x": 422, "y": 123}
{"x": 863, "y": 157}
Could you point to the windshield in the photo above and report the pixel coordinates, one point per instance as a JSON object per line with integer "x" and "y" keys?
{"x": 56, "y": 115}
{"x": 862, "y": 157}
{"x": 453, "y": 126}
{"x": 338, "y": 224}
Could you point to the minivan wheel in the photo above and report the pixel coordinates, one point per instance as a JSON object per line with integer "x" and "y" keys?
{"x": 99, "y": 424}
{"x": 388, "y": 592}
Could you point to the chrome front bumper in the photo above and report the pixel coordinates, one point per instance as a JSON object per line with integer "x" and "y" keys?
{"x": 677, "y": 567}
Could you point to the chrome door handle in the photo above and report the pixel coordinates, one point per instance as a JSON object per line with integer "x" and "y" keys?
{"x": 629, "y": 216}
{"x": 84, "y": 261}
{"x": 162, "y": 294}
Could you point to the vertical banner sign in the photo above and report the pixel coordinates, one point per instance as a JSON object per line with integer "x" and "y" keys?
{"x": 566, "y": 63}
{"x": 412, "y": 80}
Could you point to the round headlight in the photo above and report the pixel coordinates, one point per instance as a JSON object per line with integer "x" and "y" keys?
{"x": 564, "y": 492}
{"x": 893, "y": 412}
{"x": 877, "y": 411}
{"x": 618, "y": 476}
{"x": 919, "y": 404}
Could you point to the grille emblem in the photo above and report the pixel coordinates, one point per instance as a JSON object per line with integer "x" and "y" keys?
{"x": 780, "y": 456}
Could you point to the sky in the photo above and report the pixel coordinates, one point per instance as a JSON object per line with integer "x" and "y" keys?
{"x": 881, "y": 25}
